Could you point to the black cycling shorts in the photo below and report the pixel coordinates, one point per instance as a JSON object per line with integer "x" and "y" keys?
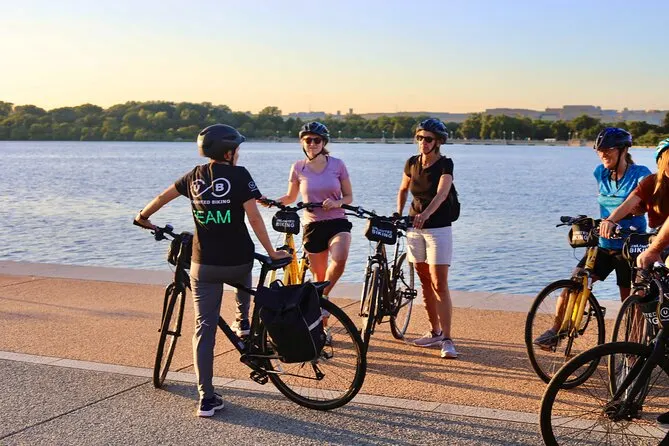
{"x": 317, "y": 234}
{"x": 608, "y": 260}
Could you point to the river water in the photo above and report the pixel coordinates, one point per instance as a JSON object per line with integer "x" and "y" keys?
{"x": 73, "y": 202}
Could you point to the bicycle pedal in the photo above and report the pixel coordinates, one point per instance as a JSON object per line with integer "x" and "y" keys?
{"x": 259, "y": 377}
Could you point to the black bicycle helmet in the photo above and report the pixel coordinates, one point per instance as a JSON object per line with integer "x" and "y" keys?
{"x": 613, "y": 138}
{"x": 435, "y": 126}
{"x": 315, "y": 128}
{"x": 217, "y": 140}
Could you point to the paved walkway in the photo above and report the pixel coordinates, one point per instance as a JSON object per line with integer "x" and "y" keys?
{"x": 77, "y": 346}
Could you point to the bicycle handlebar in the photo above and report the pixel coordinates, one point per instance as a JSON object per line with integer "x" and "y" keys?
{"x": 299, "y": 206}
{"x": 157, "y": 231}
{"x": 403, "y": 222}
{"x": 620, "y": 232}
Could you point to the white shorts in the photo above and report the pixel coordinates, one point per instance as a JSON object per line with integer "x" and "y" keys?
{"x": 433, "y": 246}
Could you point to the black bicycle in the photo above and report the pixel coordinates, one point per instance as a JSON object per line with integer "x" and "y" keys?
{"x": 389, "y": 287}
{"x": 621, "y": 400}
{"x": 329, "y": 381}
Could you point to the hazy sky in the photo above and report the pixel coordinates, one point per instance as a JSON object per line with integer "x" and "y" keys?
{"x": 369, "y": 55}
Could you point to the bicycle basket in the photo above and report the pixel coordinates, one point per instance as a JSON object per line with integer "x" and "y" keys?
{"x": 287, "y": 222}
{"x": 635, "y": 244}
{"x": 380, "y": 230}
{"x": 183, "y": 242}
{"x": 582, "y": 235}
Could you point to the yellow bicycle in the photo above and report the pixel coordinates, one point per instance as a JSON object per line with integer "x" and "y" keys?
{"x": 568, "y": 309}
{"x": 287, "y": 221}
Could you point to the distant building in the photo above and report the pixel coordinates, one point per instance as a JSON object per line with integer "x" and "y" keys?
{"x": 565, "y": 113}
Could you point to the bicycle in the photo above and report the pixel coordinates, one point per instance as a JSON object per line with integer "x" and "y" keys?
{"x": 287, "y": 221}
{"x": 570, "y": 305}
{"x": 389, "y": 289}
{"x": 620, "y": 402}
{"x": 327, "y": 382}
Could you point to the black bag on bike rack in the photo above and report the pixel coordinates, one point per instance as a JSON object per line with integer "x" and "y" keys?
{"x": 183, "y": 242}
{"x": 287, "y": 222}
{"x": 292, "y": 317}
{"x": 380, "y": 230}
{"x": 582, "y": 235}
{"x": 635, "y": 244}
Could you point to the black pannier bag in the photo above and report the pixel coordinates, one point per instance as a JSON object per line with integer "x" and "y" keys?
{"x": 581, "y": 234}
{"x": 380, "y": 230}
{"x": 635, "y": 244}
{"x": 292, "y": 317}
{"x": 183, "y": 242}
{"x": 287, "y": 222}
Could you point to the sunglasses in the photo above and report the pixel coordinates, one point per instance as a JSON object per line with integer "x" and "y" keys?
{"x": 314, "y": 140}
{"x": 427, "y": 139}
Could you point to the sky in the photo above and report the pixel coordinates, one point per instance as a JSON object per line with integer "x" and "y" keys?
{"x": 369, "y": 55}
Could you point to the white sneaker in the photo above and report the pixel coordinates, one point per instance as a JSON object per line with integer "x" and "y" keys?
{"x": 429, "y": 339}
{"x": 448, "y": 349}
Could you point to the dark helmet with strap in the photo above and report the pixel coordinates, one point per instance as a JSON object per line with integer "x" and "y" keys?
{"x": 661, "y": 147}
{"x": 435, "y": 126}
{"x": 217, "y": 140}
{"x": 613, "y": 138}
{"x": 315, "y": 128}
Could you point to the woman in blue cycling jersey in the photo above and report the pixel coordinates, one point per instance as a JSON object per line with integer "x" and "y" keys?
{"x": 616, "y": 177}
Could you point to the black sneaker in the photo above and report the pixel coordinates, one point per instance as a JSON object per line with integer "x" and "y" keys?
{"x": 208, "y": 406}
{"x": 242, "y": 328}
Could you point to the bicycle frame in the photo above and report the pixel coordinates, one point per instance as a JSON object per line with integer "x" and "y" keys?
{"x": 573, "y": 315}
{"x": 295, "y": 272}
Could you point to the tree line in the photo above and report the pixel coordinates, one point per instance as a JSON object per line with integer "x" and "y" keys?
{"x": 169, "y": 121}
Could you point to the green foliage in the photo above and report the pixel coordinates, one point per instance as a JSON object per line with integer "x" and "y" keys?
{"x": 169, "y": 121}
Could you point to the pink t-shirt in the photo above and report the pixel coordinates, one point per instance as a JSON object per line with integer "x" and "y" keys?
{"x": 316, "y": 187}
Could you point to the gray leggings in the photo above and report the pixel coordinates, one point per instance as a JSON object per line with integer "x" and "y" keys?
{"x": 207, "y": 286}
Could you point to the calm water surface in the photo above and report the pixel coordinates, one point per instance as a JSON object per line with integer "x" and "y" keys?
{"x": 73, "y": 203}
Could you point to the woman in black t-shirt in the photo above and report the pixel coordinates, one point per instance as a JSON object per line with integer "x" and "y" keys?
{"x": 221, "y": 194}
{"x": 429, "y": 177}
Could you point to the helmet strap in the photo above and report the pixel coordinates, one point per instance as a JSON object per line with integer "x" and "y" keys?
{"x": 310, "y": 158}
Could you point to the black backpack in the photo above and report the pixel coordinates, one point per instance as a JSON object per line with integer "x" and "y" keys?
{"x": 292, "y": 317}
{"x": 453, "y": 204}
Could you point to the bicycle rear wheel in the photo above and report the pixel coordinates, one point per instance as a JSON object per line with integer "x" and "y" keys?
{"x": 404, "y": 295}
{"x": 334, "y": 378}
{"x": 368, "y": 303}
{"x": 630, "y": 326}
{"x": 170, "y": 331}
{"x": 586, "y": 414}
{"x": 546, "y": 361}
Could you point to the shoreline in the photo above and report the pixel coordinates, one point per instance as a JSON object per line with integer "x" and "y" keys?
{"x": 481, "y": 300}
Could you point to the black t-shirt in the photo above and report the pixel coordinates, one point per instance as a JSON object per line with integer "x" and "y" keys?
{"x": 221, "y": 236}
{"x": 423, "y": 186}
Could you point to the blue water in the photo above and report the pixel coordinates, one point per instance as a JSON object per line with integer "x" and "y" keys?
{"x": 73, "y": 203}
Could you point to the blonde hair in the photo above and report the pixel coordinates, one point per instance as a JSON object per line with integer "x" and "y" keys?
{"x": 660, "y": 199}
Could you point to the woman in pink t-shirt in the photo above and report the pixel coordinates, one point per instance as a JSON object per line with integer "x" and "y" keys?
{"x": 322, "y": 178}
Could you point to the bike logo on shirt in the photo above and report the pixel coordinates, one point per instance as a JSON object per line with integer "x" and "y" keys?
{"x": 220, "y": 187}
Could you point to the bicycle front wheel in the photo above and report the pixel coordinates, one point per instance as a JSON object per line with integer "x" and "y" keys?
{"x": 404, "y": 295}
{"x": 170, "y": 331}
{"x": 587, "y": 413}
{"x": 548, "y": 356}
{"x": 334, "y": 378}
{"x": 368, "y": 303}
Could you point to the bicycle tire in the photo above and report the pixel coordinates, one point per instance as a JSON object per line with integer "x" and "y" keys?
{"x": 401, "y": 311}
{"x": 343, "y": 364}
{"x": 170, "y": 330}
{"x": 634, "y": 326}
{"x": 369, "y": 302}
{"x": 541, "y": 316}
{"x": 582, "y": 414}
{"x": 630, "y": 326}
